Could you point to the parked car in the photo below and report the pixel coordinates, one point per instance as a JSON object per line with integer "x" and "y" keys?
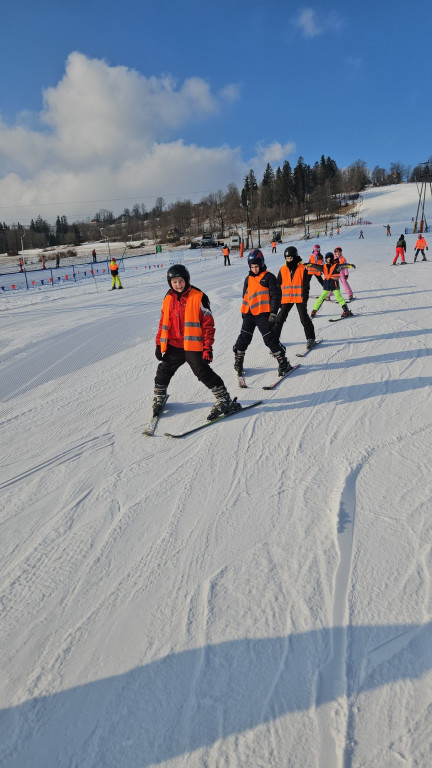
{"x": 208, "y": 240}
{"x": 234, "y": 242}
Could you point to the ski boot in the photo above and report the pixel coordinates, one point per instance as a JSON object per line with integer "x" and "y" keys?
{"x": 238, "y": 362}
{"x": 223, "y": 404}
{"x": 160, "y": 394}
{"x": 346, "y": 312}
{"x": 313, "y": 313}
{"x": 310, "y": 343}
{"x": 284, "y": 364}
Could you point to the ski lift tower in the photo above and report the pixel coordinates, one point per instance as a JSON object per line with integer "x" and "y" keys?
{"x": 423, "y": 178}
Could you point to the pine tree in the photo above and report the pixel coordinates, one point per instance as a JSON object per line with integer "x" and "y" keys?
{"x": 267, "y": 188}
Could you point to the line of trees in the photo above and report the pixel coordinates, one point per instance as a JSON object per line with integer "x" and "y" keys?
{"x": 284, "y": 195}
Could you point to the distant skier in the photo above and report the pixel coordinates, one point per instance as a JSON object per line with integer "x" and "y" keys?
{"x": 330, "y": 271}
{"x": 226, "y": 255}
{"x": 361, "y": 235}
{"x": 420, "y": 246}
{"x": 261, "y": 301}
{"x": 388, "y": 230}
{"x": 114, "y": 274}
{"x": 293, "y": 279}
{"x": 185, "y": 335}
{"x": 401, "y": 247}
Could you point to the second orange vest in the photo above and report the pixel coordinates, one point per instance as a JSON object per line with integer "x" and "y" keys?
{"x": 314, "y": 260}
{"x": 257, "y": 296}
{"x": 292, "y": 287}
{"x": 193, "y": 337}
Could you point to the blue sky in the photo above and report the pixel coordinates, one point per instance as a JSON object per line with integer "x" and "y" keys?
{"x": 104, "y": 104}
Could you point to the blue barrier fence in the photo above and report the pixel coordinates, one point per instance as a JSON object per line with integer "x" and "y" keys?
{"x": 35, "y": 278}
{"x": 72, "y": 273}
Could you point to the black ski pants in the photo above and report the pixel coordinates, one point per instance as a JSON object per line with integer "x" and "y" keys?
{"x": 174, "y": 357}
{"x": 227, "y": 261}
{"x": 420, "y": 250}
{"x": 303, "y": 315}
{"x": 250, "y": 322}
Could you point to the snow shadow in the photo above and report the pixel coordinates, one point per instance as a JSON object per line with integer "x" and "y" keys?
{"x": 190, "y": 700}
{"x": 353, "y": 393}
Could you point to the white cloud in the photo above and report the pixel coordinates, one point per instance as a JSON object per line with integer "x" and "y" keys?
{"x": 307, "y": 21}
{"x": 313, "y": 25}
{"x": 110, "y": 132}
{"x": 274, "y": 153}
{"x": 230, "y": 92}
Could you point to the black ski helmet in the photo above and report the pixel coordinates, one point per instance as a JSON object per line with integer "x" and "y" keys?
{"x": 329, "y": 256}
{"x": 256, "y": 257}
{"x": 291, "y": 251}
{"x": 178, "y": 270}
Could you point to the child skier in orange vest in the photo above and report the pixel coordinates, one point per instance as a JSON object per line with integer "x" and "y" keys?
{"x": 261, "y": 301}
{"x": 420, "y": 245}
{"x": 294, "y": 280}
{"x": 330, "y": 272}
{"x": 185, "y": 335}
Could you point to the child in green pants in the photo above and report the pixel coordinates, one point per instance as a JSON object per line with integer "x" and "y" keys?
{"x": 330, "y": 271}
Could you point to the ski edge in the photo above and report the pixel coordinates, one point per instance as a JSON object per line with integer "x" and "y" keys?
{"x": 151, "y": 426}
{"x": 306, "y": 351}
{"x": 281, "y": 378}
{"x": 336, "y": 319}
{"x": 214, "y": 421}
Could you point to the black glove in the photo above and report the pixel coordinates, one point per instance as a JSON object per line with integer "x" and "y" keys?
{"x": 208, "y": 355}
{"x": 158, "y": 352}
{"x": 272, "y": 318}
{"x": 279, "y": 316}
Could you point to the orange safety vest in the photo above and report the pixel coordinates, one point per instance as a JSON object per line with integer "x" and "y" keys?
{"x": 193, "y": 336}
{"x": 421, "y": 243}
{"x": 328, "y": 274}
{"x": 225, "y": 251}
{"x": 292, "y": 287}
{"x": 113, "y": 266}
{"x": 314, "y": 260}
{"x": 257, "y": 296}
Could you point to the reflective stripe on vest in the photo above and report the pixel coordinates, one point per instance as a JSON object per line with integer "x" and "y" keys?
{"x": 292, "y": 287}
{"x": 193, "y": 339}
{"x": 257, "y": 296}
{"x": 328, "y": 273}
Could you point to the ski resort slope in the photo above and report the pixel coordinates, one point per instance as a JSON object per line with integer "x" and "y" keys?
{"x": 257, "y": 595}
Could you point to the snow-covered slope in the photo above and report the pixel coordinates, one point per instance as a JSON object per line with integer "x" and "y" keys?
{"x": 256, "y": 595}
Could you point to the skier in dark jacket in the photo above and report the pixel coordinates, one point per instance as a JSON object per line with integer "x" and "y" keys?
{"x": 293, "y": 280}
{"x": 261, "y": 301}
{"x": 400, "y": 250}
{"x": 330, "y": 272}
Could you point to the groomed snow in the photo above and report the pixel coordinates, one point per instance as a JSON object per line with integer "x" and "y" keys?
{"x": 257, "y": 595}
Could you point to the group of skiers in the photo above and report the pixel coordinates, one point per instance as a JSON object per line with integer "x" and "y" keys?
{"x": 401, "y": 246}
{"x": 186, "y": 328}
